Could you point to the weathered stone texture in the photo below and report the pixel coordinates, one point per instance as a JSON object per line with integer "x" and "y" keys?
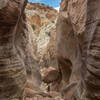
{"x": 43, "y": 21}
{"x": 78, "y": 48}
{"x": 18, "y": 61}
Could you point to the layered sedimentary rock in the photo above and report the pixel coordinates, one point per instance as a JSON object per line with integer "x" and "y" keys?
{"x": 43, "y": 19}
{"x": 26, "y": 46}
{"x": 18, "y": 61}
{"x": 78, "y": 37}
{"x": 12, "y": 69}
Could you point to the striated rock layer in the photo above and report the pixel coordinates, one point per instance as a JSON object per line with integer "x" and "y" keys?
{"x": 78, "y": 43}
{"x": 12, "y": 68}
{"x": 43, "y": 21}
{"x": 18, "y": 62}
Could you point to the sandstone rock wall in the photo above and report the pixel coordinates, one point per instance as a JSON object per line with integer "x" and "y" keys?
{"x": 43, "y": 21}
{"x": 18, "y": 51}
{"x": 78, "y": 42}
{"x": 12, "y": 69}
{"x": 26, "y": 46}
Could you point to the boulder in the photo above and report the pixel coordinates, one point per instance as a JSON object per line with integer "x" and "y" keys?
{"x": 49, "y": 75}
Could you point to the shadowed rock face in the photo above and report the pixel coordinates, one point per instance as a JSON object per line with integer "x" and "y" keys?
{"x": 12, "y": 69}
{"x": 43, "y": 21}
{"x": 17, "y": 56}
{"x": 78, "y": 48}
{"x": 68, "y": 54}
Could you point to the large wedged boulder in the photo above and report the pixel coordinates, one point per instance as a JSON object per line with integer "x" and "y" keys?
{"x": 49, "y": 75}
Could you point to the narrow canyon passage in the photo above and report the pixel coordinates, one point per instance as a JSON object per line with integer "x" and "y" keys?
{"x": 49, "y": 50}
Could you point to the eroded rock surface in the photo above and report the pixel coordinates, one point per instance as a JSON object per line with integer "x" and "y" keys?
{"x": 18, "y": 62}
{"x": 77, "y": 48}
{"x": 12, "y": 68}
{"x": 43, "y": 21}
